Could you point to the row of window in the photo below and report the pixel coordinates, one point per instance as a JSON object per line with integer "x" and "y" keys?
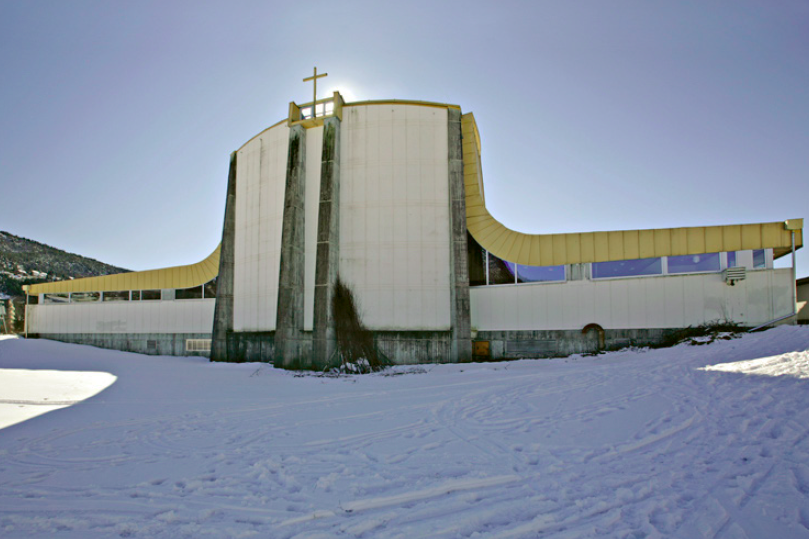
{"x": 703, "y": 263}
{"x": 322, "y": 109}
{"x": 487, "y": 269}
{"x": 208, "y": 290}
{"x": 494, "y": 270}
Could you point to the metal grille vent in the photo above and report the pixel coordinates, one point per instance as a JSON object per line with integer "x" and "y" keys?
{"x": 731, "y": 275}
{"x": 198, "y": 345}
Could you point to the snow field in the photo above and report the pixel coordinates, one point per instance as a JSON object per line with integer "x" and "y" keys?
{"x": 693, "y": 442}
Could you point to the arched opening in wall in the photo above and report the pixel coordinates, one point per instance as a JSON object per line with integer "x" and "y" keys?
{"x": 600, "y": 337}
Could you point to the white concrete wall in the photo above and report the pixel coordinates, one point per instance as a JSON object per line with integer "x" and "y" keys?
{"x": 178, "y": 316}
{"x": 394, "y": 215}
{"x": 314, "y": 156}
{"x": 668, "y": 301}
{"x": 260, "y": 182}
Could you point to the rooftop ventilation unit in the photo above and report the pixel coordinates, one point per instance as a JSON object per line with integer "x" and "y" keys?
{"x": 731, "y": 275}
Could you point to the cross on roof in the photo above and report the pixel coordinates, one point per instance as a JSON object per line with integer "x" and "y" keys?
{"x": 314, "y": 78}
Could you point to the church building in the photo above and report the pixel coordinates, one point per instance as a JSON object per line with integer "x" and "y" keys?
{"x": 388, "y": 196}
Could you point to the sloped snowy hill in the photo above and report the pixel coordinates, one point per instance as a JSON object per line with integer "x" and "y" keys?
{"x": 690, "y": 442}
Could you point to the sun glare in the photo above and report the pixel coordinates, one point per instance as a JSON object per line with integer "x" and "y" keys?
{"x": 350, "y": 92}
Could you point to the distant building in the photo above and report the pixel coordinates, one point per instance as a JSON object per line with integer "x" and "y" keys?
{"x": 389, "y": 196}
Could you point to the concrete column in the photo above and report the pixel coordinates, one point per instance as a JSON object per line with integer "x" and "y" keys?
{"x": 223, "y": 311}
{"x": 328, "y": 243}
{"x": 461, "y": 338}
{"x": 289, "y": 325}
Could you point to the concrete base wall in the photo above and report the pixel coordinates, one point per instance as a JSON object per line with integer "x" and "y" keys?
{"x": 398, "y": 347}
{"x": 251, "y": 346}
{"x": 153, "y": 344}
{"x": 414, "y": 347}
{"x": 560, "y": 343}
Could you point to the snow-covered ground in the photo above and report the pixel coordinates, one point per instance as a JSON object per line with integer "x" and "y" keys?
{"x": 687, "y": 442}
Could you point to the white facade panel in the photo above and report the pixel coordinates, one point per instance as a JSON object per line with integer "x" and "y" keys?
{"x": 178, "y": 316}
{"x": 673, "y": 304}
{"x": 311, "y": 204}
{"x": 599, "y": 296}
{"x": 619, "y": 306}
{"x": 260, "y": 183}
{"x": 670, "y": 301}
{"x": 394, "y": 215}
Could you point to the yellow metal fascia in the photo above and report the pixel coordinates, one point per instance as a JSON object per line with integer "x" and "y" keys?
{"x": 174, "y": 277}
{"x": 294, "y": 113}
{"x": 632, "y": 244}
{"x": 339, "y": 105}
{"x": 557, "y": 249}
{"x": 273, "y": 126}
{"x": 403, "y": 102}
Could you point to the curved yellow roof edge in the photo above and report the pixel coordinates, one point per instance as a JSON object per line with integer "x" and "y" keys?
{"x": 403, "y": 102}
{"x": 574, "y": 248}
{"x": 360, "y": 103}
{"x": 173, "y": 277}
{"x": 251, "y": 139}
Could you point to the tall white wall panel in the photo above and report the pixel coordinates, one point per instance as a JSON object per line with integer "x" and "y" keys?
{"x": 179, "y": 316}
{"x": 314, "y": 156}
{"x": 394, "y": 215}
{"x": 260, "y": 181}
{"x": 670, "y": 301}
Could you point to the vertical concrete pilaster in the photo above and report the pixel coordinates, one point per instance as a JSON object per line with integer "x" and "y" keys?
{"x": 289, "y": 325}
{"x": 223, "y": 311}
{"x": 328, "y": 244}
{"x": 461, "y": 339}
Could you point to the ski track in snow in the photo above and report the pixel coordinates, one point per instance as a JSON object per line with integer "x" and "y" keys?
{"x": 629, "y": 444}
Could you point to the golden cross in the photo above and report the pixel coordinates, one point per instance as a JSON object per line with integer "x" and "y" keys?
{"x": 314, "y": 95}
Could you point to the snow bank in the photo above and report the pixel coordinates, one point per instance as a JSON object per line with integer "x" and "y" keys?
{"x": 794, "y": 364}
{"x": 26, "y": 393}
{"x": 690, "y": 442}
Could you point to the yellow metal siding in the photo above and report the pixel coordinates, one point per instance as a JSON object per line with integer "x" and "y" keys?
{"x": 602, "y": 245}
{"x": 508, "y": 247}
{"x": 545, "y": 246}
{"x": 573, "y": 247}
{"x": 615, "y": 241}
{"x": 751, "y": 237}
{"x": 713, "y": 240}
{"x": 556, "y": 249}
{"x": 559, "y": 247}
{"x": 588, "y": 247}
{"x": 679, "y": 241}
{"x": 632, "y": 247}
{"x": 646, "y": 241}
{"x": 769, "y": 235}
{"x": 174, "y": 277}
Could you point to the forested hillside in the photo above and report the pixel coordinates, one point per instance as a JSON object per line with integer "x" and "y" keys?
{"x": 24, "y": 261}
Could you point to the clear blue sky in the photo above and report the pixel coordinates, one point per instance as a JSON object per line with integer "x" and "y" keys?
{"x": 118, "y": 118}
